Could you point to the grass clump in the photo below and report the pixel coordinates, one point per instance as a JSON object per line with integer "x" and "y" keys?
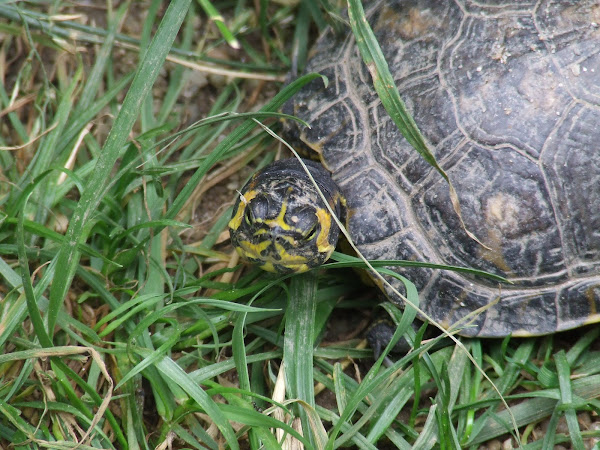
{"x": 126, "y": 320}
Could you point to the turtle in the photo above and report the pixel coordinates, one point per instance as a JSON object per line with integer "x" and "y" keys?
{"x": 507, "y": 96}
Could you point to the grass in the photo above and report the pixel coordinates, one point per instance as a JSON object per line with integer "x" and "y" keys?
{"x": 126, "y": 319}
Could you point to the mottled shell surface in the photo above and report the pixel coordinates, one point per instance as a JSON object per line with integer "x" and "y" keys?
{"x": 507, "y": 94}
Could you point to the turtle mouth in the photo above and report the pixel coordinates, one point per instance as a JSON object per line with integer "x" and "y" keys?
{"x": 277, "y": 252}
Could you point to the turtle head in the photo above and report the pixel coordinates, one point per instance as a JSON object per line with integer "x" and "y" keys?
{"x": 280, "y": 221}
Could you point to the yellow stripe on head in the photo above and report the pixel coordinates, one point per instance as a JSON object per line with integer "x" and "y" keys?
{"x": 251, "y": 250}
{"x": 237, "y": 218}
{"x": 323, "y": 244}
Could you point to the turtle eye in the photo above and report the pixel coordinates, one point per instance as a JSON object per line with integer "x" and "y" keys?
{"x": 248, "y": 216}
{"x": 310, "y": 234}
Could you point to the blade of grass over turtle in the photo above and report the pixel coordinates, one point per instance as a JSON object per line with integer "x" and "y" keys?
{"x": 352, "y": 261}
{"x": 384, "y": 84}
{"x": 147, "y": 72}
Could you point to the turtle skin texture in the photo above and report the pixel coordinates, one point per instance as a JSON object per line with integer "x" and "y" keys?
{"x": 507, "y": 95}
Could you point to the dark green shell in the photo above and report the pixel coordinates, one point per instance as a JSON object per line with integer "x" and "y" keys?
{"x": 507, "y": 94}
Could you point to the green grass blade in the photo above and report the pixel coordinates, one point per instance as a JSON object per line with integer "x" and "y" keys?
{"x": 300, "y": 42}
{"x": 299, "y": 343}
{"x": 566, "y": 399}
{"x": 47, "y": 151}
{"x": 147, "y": 72}
{"x": 217, "y": 18}
{"x": 32, "y": 303}
{"x": 175, "y": 374}
{"x": 533, "y": 410}
{"x": 428, "y": 436}
{"x": 94, "y": 78}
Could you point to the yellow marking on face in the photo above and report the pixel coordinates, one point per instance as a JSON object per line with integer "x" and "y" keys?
{"x": 262, "y": 231}
{"x": 250, "y": 250}
{"x": 323, "y": 244}
{"x": 281, "y": 216}
{"x": 280, "y": 219}
{"x": 301, "y": 268}
{"x": 268, "y": 266}
{"x": 288, "y": 259}
{"x": 290, "y": 239}
{"x": 237, "y": 219}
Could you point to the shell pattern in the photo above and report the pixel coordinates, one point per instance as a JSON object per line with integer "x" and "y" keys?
{"x": 507, "y": 94}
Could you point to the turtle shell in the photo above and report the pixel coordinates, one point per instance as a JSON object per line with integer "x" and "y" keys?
{"x": 507, "y": 94}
